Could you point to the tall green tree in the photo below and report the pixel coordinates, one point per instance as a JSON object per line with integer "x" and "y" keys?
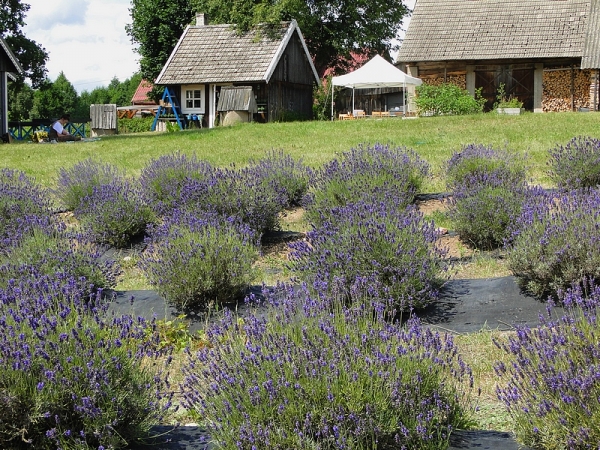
{"x": 332, "y": 29}
{"x": 156, "y": 27}
{"x": 20, "y": 101}
{"x": 53, "y": 99}
{"x": 31, "y": 55}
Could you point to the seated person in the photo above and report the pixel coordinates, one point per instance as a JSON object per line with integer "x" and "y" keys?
{"x": 58, "y": 133}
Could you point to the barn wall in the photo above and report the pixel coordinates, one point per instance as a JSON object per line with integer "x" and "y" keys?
{"x": 290, "y": 89}
{"x": 559, "y": 90}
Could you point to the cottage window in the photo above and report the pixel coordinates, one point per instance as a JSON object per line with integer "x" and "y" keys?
{"x": 193, "y": 102}
{"x": 193, "y": 98}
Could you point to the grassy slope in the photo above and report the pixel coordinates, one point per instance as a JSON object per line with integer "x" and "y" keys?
{"x": 434, "y": 138}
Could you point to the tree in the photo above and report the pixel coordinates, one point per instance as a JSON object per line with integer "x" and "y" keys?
{"x": 31, "y": 55}
{"x": 156, "y": 27}
{"x": 332, "y": 29}
{"x": 20, "y": 101}
{"x": 51, "y": 100}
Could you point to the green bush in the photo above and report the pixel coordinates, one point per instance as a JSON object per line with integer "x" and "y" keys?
{"x": 71, "y": 378}
{"x": 135, "y": 125}
{"x": 447, "y": 99}
{"x": 52, "y": 252}
{"x": 78, "y": 182}
{"x": 196, "y": 261}
{"x": 376, "y": 174}
{"x": 555, "y": 242}
{"x": 333, "y": 378}
{"x": 115, "y": 214}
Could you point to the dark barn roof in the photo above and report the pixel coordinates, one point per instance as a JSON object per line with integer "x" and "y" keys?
{"x": 447, "y": 30}
{"x": 8, "y": 60}
{"x": 216, "y": 53}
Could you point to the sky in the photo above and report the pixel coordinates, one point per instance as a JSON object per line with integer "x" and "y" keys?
{"x": 86, "y": 39}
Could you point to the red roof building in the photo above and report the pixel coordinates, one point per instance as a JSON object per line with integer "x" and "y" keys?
{"x": 141, "y": 94}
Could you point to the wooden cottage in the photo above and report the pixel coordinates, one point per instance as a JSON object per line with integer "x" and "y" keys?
{"x": 545, "y": 52}
{"x": 276, "y": 66}
{"x": 9, "y": 65}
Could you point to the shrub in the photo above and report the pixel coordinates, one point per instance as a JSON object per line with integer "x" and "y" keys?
{"x": 552, "y": 384}
{"x": 115, "y": 214}
{"x": 283, "y": 174}
{"x": 555, "y": 242}
{"x": 484, "y": 217}
{"x": 78, "y": 182}
{"x": 376, "y": 174}
{"x": 447, "y": 99}
{"x": 71, "y": 378}
{"x": 23, "y": 204}
{"x": 475, "y": 164}
{"x": 196, "y": 260}
{"x": 163, "y": 180}
{"x": 135, "y": 124}
{"x": 56, "y": 251}
{"x": 577, "y": 164}
{"x": 390, "y": 250}
{"x": 341, "y": 378}
{"x": 237, "y": 193}
{"x": 488, "y": 187}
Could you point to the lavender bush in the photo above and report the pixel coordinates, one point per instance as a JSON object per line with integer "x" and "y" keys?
{"x": 194, "y": 261}
{"x": 555, "y": 241}
{"x": 376, "y": 174}
{"x": 476, "y": 164}
{"x": 76, "y": 184}
{"x": 488, "y": 187}
{"x": 71, "y": 378}
{"x": 391, "y": 250}
{"x": 23, "y": 204}
{"x": 283, "y": 174}
{"x": 115, "y": 213}
{"x": 163, "y": 180}
{"x": 58, "y": 251}
{"x": 552, "y": 383}
{"x": 577, "y": 164}
{"x": 305, "y": 376}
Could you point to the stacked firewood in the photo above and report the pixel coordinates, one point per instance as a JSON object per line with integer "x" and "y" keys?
{"x": 458, "y": 80}
{"x": 557, "y": 95}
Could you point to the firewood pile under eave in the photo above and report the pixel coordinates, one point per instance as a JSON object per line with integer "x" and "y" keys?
{"x": 557, "y": 94}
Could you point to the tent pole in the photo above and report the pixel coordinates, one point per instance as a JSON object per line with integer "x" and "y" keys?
{"x": 352, "y": 100}
{"x": 331, "y": 98}
{"x": 404, "y": 100}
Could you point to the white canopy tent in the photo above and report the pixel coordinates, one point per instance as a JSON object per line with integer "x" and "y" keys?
{"x": 376, "y": 73}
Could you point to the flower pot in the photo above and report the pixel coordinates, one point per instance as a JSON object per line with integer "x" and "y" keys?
{"x": 510, "y": 111}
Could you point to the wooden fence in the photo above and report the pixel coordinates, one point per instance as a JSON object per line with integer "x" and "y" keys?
{"x": 22, "y": 131}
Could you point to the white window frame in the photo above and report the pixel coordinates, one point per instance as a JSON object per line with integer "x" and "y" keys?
{"x": 184, "y": 98}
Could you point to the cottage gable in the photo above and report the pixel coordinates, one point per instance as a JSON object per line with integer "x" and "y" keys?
{"x": 217, "y": 54}
{"x": 511, "y": 29}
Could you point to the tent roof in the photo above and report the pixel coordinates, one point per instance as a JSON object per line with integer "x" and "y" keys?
{"x": 376, "y": 73}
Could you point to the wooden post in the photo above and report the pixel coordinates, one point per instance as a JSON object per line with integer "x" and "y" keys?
{"x": 572, "y": 88}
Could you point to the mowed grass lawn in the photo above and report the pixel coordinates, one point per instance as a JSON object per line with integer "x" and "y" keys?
{"x": 433, "y": 138}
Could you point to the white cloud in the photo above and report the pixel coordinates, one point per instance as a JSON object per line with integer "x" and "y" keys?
{"x": 84, "y": 39}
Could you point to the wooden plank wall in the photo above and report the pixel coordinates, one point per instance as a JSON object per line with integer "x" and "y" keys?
{"x": 104, "y": 116}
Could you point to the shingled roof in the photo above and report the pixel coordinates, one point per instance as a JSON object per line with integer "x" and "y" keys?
{"x": 217, "y": 54}
{"x": 449, "y": 30}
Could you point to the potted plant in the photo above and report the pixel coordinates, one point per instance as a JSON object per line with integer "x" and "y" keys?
{"x": 507, "y": 105}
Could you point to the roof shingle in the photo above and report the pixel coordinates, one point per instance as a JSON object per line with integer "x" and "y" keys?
{"x": 216, "y": 53}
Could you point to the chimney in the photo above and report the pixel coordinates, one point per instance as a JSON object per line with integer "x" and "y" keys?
{"x": 201, "y": 19}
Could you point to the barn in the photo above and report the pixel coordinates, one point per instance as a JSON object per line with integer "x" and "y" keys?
{"x": 545, "y": 52}
{"x": 276, "y": 65}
